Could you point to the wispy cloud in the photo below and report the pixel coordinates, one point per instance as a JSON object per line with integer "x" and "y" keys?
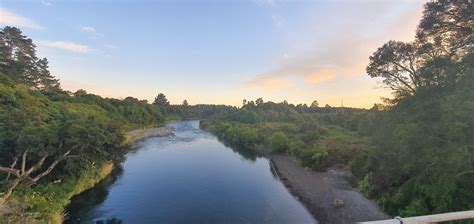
{"x": 9, "y": 18}
{"x": 65, "y": 45}
{"x": 111, "y": 46}
{"x": 46, "y": 3}
{"x": 88, "y": 29}
{"x": 92, "y": 32}
{"x": 270, "y": 3}
{"x": 320, "y": 76}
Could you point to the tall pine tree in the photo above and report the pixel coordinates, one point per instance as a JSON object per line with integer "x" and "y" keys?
{"x": 18, "y": 60}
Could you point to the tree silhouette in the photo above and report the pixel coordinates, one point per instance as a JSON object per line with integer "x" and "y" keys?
{"x": 160, "y": 100}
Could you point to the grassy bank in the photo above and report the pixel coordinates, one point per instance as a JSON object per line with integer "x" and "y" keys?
{"x": 45, "y": 203}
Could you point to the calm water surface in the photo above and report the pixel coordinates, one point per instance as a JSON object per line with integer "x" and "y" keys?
{"x": 189, "y": 178}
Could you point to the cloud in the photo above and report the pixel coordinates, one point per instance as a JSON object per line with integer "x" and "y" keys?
{"x": 65, "y": 45}
{"x": 338, "y": 41}
{"x": 92, "y": 32}
{"x": 320, "y": 76}
{"x": 46, "y": 3}
{"x": 87, "y": 29}
{"x": 270, "y": 3}
{"x": 12, "y": 19}
{"x": 269, "y": 84}
{"x": 111, "y": 46}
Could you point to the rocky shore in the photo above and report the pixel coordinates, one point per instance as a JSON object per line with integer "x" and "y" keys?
{"x": 327, "y": 195}
{"x": 140, "y": 134}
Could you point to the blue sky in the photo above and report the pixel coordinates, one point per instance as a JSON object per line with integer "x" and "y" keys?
{"x": 216, "y": 51}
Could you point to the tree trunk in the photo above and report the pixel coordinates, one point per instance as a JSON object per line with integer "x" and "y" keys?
{"x": 23, "y": 162}
{"x": 49, "y": 169}
{"x": 11, "y": 167}
{"x": 9, "y": 191}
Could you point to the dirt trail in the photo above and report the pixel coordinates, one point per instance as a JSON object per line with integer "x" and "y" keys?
{"x": 317, "y": 190}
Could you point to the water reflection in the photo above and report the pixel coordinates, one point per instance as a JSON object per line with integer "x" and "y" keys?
{"x": 81, "y": 204}
{"x": 246, "y": 153}
{"x": 187, "y": 178}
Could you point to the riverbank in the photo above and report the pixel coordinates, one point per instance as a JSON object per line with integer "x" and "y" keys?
{"x": 46, "y": 203}
{"x": 130, "y": 138}
{"x": 327, "y": 195}
{"x": 140, "y": 134}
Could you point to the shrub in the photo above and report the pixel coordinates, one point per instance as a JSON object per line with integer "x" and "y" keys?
{"x": 316, "y": 159}
{"x": 279, "y": 142}
{"x": 295, "y": 146}
{"x": 337, "y": 203}
{"x": 310, "y": 136}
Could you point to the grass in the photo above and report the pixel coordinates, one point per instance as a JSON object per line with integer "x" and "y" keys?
{"x": 45, "y": 203}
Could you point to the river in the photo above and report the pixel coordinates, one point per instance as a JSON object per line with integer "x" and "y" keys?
{"x": 189, "y": 178}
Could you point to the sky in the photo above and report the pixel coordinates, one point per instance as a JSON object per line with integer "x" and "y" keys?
{"x": 217, "y": 52}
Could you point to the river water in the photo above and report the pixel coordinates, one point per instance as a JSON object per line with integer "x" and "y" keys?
{"x": 189, "y": 178}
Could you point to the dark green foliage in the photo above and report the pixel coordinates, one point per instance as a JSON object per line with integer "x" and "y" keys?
{"x": 279, "y": 142}
{"x": 18, "y": 61}
{"x": 315, "y": 158}
{"x": 238, "y": 134}
{"x": 310, "y": 136}
{"x": 420, "y": 162}
{"x": 318, "y": 146}
{"x": 160, "y": 100}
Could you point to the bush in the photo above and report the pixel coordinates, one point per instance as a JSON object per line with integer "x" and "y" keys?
{"x": 279, "y": 142}
{"x": 310, "y": 136}
{"x": 316, "y": 159}
{"x": 295, "y": 146}
{"x": 337, "y": 203}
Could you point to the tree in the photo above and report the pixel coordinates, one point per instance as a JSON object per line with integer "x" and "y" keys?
{"x": 398, "y": 64}
{"x": 259, "y": 102}
{"x": 160, "y": 100}
{"x": 185, "y": 103}
{"x": 80, "y": 92}
{"x": 41, "y": 134}
{"x": 18, "y": 60}
{"x": 446, "y": 28}
{"x": 314, "y": 104}
{"x": 429, "y": 128}
{"x": 444, "y": 37}
{"x": 42, "y": 78}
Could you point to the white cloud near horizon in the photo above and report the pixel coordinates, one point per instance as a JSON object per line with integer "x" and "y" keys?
{"x": 11, "y": 19}
{"x": 65, "y": 45}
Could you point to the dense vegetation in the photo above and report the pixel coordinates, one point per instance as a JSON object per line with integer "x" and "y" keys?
{"x": 55, "y": 143}
{"x": 414, "y": 153}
